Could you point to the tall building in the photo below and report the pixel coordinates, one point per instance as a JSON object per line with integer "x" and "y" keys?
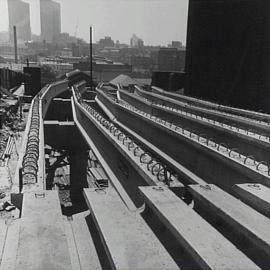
{"x": 228, "y": 52}
{"x": 19, "y": 15}
{"x": 106, "y": 42}
{"x": 50, "y": 20}
{"x": 136, "y": 42}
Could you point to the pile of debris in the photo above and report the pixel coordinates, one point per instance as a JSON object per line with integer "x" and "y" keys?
{"x": 7, "y": 209}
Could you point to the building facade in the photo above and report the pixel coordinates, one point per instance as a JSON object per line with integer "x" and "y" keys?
{"x": 228, "y": 52}
{"x": 50, "y": 20}
{"x": 19, "y": 16}
{"x": 171, "y": 59}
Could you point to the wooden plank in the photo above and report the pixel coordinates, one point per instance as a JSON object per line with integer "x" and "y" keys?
{"x": 242, "y": 220}
{"x": 128, "y": 241}
{"x": 255, "y": 195}
{"x": 42, "y": 241}
{"x": 208, "y": 248}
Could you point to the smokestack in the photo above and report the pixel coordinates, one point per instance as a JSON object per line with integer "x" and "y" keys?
{"x": 15, "y": 44}
{"x": 91, "y": 58}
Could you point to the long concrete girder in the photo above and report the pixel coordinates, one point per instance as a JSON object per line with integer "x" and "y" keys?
{"x": 212, "y": 165}
{"x": 244, "y": 226}
{"x": 208, "y": 248}
{"x": 255, "y": 195}
{"x": 129, "y": 243}
{"x": 256, "y": 116}
{"x": 187, "y": 177}
{"x": 239, "y": 121}
{"x": 124, "y": 163}
{"x": 245, "y": 143}
{"x": 42, "y": 242}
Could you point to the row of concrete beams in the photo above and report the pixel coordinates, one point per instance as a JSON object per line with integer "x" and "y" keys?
{"x": 229, "y": 255}
{"x": 207, "y": 247}
{"x": 128, "y": 241}
{"x": 128, "y": 158}
{"x": 212, "y": 162}
{"x": 241, "y": 140}
{"x": 246, "y": 228}
{"x": 239, "y": 121}
{"x": 187, "y": 177}
{"x": 260, "y": 166}
{"x": 210, "y": 254}
{"x": 255, "y": 116}
{"x": 222, "y": 124}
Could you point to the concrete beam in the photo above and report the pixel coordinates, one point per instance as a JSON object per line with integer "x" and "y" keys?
{"x": 246, "y": 144}
{"x": 125, "y": 165}
{"x": 52, "y": 91}
{"x": 210, "y": 105}
{"x": 212, "y": 165}
{"x": 42, "y": 241}
{"x": 204, "y": 112}
{"x": 255, "y": 195}
{"x": 128, "y": 241}
{"x": 207, "y": 247}
{"x": 241, "y": 223}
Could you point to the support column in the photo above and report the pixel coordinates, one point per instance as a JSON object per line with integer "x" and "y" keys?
{"x": 78, "y": 175}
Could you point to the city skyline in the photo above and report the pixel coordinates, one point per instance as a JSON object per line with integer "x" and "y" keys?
{"x": 116, "y": 18}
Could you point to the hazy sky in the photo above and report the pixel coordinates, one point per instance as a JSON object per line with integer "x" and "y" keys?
{"x": 155, "y": 21}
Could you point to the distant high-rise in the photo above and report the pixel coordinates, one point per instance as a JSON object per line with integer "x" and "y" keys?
{"x": 136, "y": 42}
{"x": 50, "y": 20}
{"x": 19, "y": 15}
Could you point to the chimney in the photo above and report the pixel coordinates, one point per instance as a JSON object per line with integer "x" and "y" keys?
{"x": 15, "y": 44}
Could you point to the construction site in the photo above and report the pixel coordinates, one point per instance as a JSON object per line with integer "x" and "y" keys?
{"x": 121, "y": 175}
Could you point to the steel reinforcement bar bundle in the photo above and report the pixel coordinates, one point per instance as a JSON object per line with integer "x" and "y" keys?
{"x": 30, "y": 159}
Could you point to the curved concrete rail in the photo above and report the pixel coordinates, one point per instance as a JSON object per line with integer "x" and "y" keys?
{"x": 245, "y": 142}
{"x": 122, "y": 155}
{"x": 52, "y": 91}
{"x": 211, "y": 163}
{"x": 214, "y": 106}
{"x": 187, "y": 177}
{"x": 242, "y": 122}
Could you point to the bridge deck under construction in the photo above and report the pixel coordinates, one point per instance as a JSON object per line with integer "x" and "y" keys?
{"x": 138, "y": 180}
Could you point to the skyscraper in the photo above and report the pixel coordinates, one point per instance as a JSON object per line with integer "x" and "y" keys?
{"x": 19, "y": 15}
{"x": 50, "y": 20}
